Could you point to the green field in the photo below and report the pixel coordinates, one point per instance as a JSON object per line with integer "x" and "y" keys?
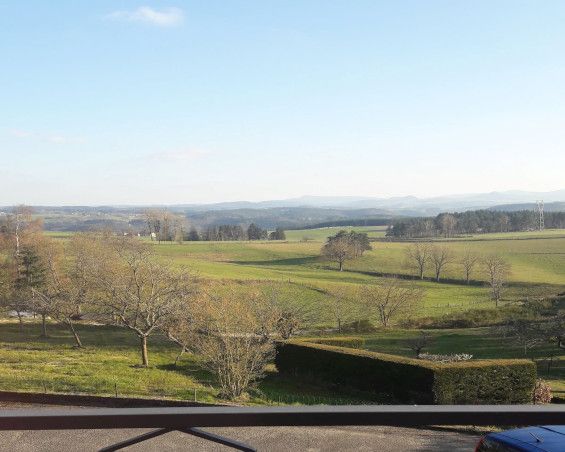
{"x": 107, "y": 365}
{"x": 538, "y": 266}
{"x": 321, "y": 234}
{"x": 108, "y": 361}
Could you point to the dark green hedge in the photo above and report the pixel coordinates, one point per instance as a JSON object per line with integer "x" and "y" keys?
{"x": 341, "y": 341}
{"x": 409, "y": 380}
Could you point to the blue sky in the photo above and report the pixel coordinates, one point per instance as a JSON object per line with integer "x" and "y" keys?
{"x": 114, "y": 102}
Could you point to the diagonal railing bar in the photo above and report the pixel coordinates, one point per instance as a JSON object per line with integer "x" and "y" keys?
{"x": 218, "y": 439}
{"x": 136, "y": 439}
{"x": 190, "y": 431}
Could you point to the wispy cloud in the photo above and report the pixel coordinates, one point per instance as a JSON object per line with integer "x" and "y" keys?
{"x": 53, "y": 138}
{"x": 18, "y": 133}
{"x": 178, "y": 155}
{"x": 165, "y": 17}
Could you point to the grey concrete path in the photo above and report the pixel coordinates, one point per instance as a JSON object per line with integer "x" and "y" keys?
{"x": 263, "y": 438}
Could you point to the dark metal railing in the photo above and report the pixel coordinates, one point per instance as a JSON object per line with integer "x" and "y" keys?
{"x": 187, "y": 419}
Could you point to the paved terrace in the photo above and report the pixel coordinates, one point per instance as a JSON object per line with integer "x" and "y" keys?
{"x": 262, "y": 438}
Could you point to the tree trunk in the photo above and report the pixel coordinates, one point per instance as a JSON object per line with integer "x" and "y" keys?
{"x": 144, "y": 358}
{"x": 182, "y": 350}
{"x": 75, "y": 335}
{"x": 339, "y": 325}
{"x": 340, "y": 266}
{"x": 21, "y": 321}
{"x": 43, "y": 325}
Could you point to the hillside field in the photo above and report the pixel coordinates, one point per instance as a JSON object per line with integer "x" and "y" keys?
{"x": 538, "y": 266}
{"x": 108, "y": 360}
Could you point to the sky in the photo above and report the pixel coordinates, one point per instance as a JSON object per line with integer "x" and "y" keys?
{"x": 125, "y": 102}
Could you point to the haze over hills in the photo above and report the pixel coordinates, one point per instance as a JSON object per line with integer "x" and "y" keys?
{"x": 407, "y": 205}
{"x": 295, "y": 213}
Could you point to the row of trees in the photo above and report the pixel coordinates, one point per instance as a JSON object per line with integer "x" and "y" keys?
{"x": 118, "y": 280}
{"x": 473, "y": 222}
{"x": 164, "y": 226}
{"x": 420, "y": 256}
{"x": 233, "y": 232}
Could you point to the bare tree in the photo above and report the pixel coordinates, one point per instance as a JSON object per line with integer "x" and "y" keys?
{"x": 19, "y": 235}
{"x": 418, "y": 255}
{"x": 469, "y": 262}
{"x": 340, "y": 305}
{"x": 555, "y": 330}
{"x": 275, "y": 305}
{"x": 448, "y": 223}
{"x": 497, "y": 271}
{"x": 440, "y": 257}
{"x": 231, "y": 342}
{"x": 153, "y": 222}
{"x": 420, "y": 342}
{"x": 526, "y": 333}
{"x": 390, "y": 299}
{"x": 184, "y": 327}
{"x": 55, "y": 297}
{"x": 338, "y": 250}
{"x": 137, "y": 290}
{"x": 69, "y": 285}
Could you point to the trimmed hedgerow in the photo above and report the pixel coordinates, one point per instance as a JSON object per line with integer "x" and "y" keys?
{"x": 342, "y": 341}
{"x": 410, "y": 380}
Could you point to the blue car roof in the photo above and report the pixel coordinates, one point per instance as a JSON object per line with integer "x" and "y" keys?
{"x": 546, "y": 438}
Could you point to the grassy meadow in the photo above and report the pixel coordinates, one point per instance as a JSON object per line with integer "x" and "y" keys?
{"x": 538, "y": 266}
{"x": 108, "y": 362}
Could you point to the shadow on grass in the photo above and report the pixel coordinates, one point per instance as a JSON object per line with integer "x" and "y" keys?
{"x": 281, "y": 262}
{"x": 278, "y": 388}
{"x": 192, "y": 369}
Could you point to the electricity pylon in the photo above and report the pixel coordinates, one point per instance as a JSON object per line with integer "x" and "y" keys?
{"x": 540, "y": 214}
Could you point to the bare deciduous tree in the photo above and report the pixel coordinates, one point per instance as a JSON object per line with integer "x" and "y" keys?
{"x": 469, "y": 262}
{"x": 418, "y": 255}
{"x": 231, "y": 342}
{"x": 340, "y": 305}
{"x": 19, "y": 235}
{"x": 440, "y": 257}
{"x": 390, "y": 299}
{"x": 448, "y": 224}
{"x": 136, "y": 290}
{"x": 276, "y": 306}
{"x": 497, "y": 271}
{"x": 420, "y": 342}
{"x": 526, "y": 333}
{"x": 338, "y": 250}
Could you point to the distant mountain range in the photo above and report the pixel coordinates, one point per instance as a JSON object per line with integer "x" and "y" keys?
{"x": 306, "y": 211}
{"x": 406, "y": 205}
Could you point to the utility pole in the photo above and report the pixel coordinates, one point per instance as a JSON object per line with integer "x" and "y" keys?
{"x": 540, "y": 214}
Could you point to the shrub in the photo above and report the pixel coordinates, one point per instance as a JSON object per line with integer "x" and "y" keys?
{"x": 542, "y": 392}
{"x": 359, "y": 326}
{"x": 344, "y": 341}
{"x": 411, "y": 380}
